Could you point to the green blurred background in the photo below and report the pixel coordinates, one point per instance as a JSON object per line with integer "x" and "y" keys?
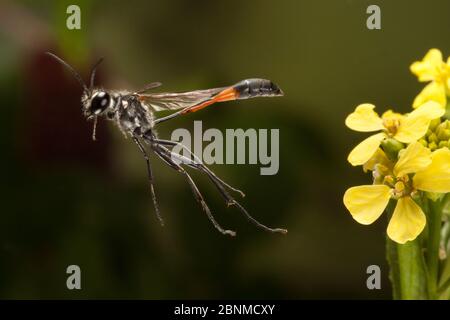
{"x": 68, "y": 200}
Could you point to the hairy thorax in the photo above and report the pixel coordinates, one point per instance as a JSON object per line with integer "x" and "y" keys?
{"x": 131, "y": 115}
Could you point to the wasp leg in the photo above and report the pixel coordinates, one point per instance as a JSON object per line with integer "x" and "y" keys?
{"x": 199, "y": 164}
{"x": 218, "y": 183}
{"x": 150, "y": 178}
{"x": 164, "y": 154}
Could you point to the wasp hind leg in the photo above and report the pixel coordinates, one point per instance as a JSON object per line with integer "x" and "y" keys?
{"x": 220, "y": 185}
{"x": 164, "y": 154}
{"x": 150, "y": 179}
{"x": 198, "y": 164}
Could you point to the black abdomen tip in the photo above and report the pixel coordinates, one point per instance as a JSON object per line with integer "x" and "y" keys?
{"x": 250, "y": 88}
{"x": 275, "y": 89}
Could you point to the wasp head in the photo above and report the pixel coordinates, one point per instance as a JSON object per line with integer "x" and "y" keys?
{"x": 95, "y": 103}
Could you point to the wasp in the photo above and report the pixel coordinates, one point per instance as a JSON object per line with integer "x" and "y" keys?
{"x": 134, "y": 114}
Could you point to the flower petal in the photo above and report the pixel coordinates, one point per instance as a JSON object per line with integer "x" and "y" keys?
{"x": 390, "y": 115}
{"x": 378, "y": 158}
{"x": 412, "y": 129}
{"x": 433, "y": 91}
{"x": 407, "y": 222}
{"x": 448, "y": 72}
{"x": 414, "y": 158}
{"x": 367, "y": 203}
{"x": 426, "y": 70}
{"x": 364, "y": 119}
{"x": 415, "y": 125}
{"x": 430, "y": 109}
{"x": 365, "y": 150}
{"x": 436, "y": 177}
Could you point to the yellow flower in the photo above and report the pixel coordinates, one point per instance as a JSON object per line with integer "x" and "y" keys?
{"x": 432, "y": 68}
{"x": 404, "y": 128}
{"x": 431, "y": 173}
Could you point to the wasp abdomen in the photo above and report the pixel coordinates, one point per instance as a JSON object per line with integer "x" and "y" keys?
{"x": 250, "y": 88}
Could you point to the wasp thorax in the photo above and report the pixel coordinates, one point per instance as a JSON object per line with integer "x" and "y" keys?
{"x": 99, "y": 102}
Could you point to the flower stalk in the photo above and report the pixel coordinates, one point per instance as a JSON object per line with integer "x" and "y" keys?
{"x": 434, "y": 237}
{"x": 412, "y": 271}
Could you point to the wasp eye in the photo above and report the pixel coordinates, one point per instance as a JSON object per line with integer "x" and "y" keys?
{"x": 100, "y": 102}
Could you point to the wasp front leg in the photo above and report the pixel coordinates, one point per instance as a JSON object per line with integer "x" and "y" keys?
{"x": 150, "y": 178}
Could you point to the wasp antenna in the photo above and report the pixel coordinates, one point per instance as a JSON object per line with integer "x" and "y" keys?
{"x": 69, "y": 67}
{"x": 94, "y": 70}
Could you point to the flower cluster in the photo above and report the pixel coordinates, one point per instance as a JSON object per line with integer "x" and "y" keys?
{"x": 408, "y": 154}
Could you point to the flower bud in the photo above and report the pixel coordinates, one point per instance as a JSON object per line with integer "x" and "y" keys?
{"x": 433, "y": 138}
{"x": 444, "y": 134}
{"x": 434, "y": 123}
{"x": 392, "y": 147}
{"x": 423, "y": 142}
{"x": 432, "y": 146}
{"x": 443, "y": 144}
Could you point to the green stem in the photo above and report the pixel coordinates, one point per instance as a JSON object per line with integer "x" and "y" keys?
{"x": 407, "y": 266}
{"x": 434, "y": 238}
{"x": 392, "y": 258}
{"x": 412, "y": 271}
{"x": 444, "y": 290}
{"x": 394, "y": 271}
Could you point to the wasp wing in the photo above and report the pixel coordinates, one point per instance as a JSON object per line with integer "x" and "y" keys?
{"x": 199, "y": 99}
{"x": 175, "y": 101}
